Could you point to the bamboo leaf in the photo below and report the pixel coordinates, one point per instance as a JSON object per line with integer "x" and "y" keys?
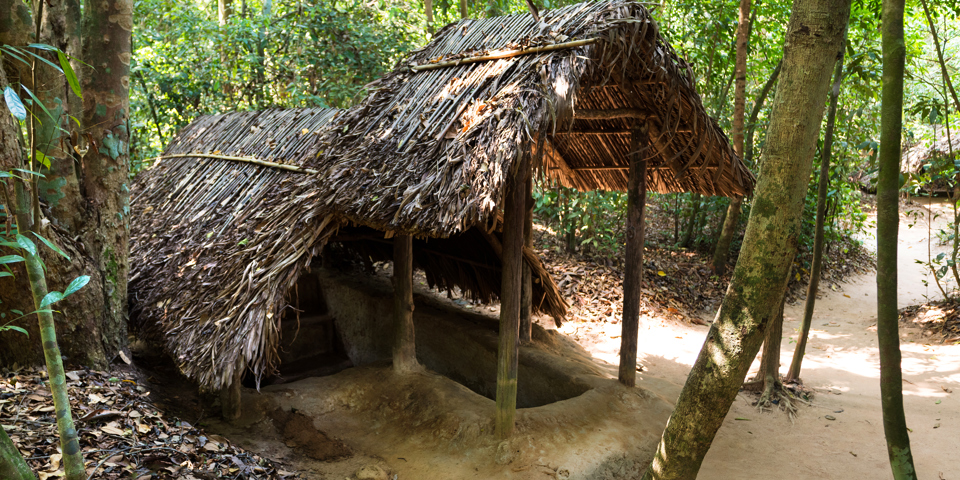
{"x": 15, "y": 328}
{"x": 43, "y": 159}
{"x": 36, "y": 101}
{"x": 5, "y": 274}
{"x": 69, "y": 73}
{"x": 76, "y": 284}
{"x": 14, "y": 104}
{"x": 51, "y": 245}
{"x": 51, "y": 298}
{"x": 27, "y": 244}
{"x": 44, "y": 60}
{"x": 10, "y": 259}
{"x": 43, "y": 46}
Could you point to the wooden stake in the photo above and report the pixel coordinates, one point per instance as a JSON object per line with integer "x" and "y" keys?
{"x": 633, "y": 268}
{"x": 526, "y": 294}
{"x": 507, "y": 350}
{"x": 255, "y": 161}
{"x": 230, "y": 398}
{"x": 610, "y": 114}
{"x": 404, "y": 346}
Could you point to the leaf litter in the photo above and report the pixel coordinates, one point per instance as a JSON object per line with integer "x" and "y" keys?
{"x": 122, "y": 433}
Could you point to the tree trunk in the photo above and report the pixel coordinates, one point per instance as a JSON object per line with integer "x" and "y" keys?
{"x": 794, "y": 372}
{"x": 404, "y": 344}
{"x": 722, "y": 252}
{"x": 507, "y": 348}
{"x": 12, "y": 464}
{"x": 633, "y": 259}
{"x": 888, "y": 223}
{"x": 770, "y": 244}
{"x": 769, "y": 372}
{"x": 106, "y": 100}
{"x": 463, "y": 9}
{"x": 428, "y": 13}
{"x": 688, "y": 233}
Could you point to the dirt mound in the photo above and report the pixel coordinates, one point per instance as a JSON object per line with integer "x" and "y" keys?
{"x": 300, "y": 434}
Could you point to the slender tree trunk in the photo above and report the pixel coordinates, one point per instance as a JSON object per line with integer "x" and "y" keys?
{"x": 943, "y": 64}
{"x": 60, "y": 188}
{"x": 770, "y": 244}
{"x": 888, "y": 223}
{"x": 755, "y": 114}
{"x": 428, "y": 12}
{"x": 106, "y": 99}
{"x": 794, "y": 372}
{"x": 688, "y": 232}
{"x": 12, "y": 464}
{"x": 722, "y": 253}
{"x": 770, "y": 358}
{"x": 463, "y": 9}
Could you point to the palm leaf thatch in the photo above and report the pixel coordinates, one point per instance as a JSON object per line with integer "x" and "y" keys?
{"x": 217, "y": 245}
{"x": 436, "y": 144}
{"x": 229, "y": 220}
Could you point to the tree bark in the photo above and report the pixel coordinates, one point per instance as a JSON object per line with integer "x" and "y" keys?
{"x": 722, "y": 252}
{"x": 688, "y": 232}
{"x": 404, "y": 345}
{"x": 769, "y": 372}
{"x": 12, "y": 464}
{"x": 770, "y": 243}
{"x": 794, "y": 372}
{"x": 463, "y": 9}
{"x": 755, "y": 113}
{"x": 633, "y": 259}
{"x": 428, "y": 13}
{"x": 888, "y": 223}
{"x": 507, "y": 348}
{"x": 106, "y": 46}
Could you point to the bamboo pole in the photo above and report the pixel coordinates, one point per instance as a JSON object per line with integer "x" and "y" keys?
{"x": 588, "y": 114}
{"x": 507, "y": 349}
{"x": 633, "y": 268}
{"x": 404, "y": 346}
{"x": 255, "y": 161}
{"x": 504, "y": 54}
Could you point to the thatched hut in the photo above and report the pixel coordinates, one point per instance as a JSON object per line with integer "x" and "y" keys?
{"x": 932, "y": 157}
{"x": 445, "y": 146}
{"x": 589, "y": 95}
{"x": 230, "y": 219}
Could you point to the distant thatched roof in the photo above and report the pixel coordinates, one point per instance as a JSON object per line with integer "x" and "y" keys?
{"x": 436, "y": 145}
{"x": 217, "y": 244}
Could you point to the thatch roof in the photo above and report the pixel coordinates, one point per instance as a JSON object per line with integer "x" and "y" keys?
{"x": 218, "y": 244}
{"x": 436, "y": 145}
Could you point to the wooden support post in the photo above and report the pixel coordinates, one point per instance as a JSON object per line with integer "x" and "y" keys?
{"x": 513, "y": 214}
{"x": 633, "y": 268}
{"x": 526, "y": 294}
{"x": 230, "y": 398}
{"x": 404, "y": 346}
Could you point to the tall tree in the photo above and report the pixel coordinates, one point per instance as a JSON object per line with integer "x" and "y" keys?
{"x": 770, "y": 243}
{"x": 825, "y": 156}
{"x": 722, "y": 252}
{"x": 91, "y": 228}
{"x": 888, "y": 224}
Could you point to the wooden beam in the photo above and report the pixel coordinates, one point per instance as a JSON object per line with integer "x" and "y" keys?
{"x": 609, "y": 132}
{"x": 587, "y": 114}
{"x": 633, "y": 268}
{"x": 504, "y": 54}
{"x": 507, "y": 347}
{"x": 578, "y": 169}
{"x": 404, "y": 345}
{"x": 526, "y": 294}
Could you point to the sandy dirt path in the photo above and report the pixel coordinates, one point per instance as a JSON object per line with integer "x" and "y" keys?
{"x": 842, "y": 365}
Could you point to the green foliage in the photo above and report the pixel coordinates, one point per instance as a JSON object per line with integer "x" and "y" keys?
{"x": 295, "y": 54}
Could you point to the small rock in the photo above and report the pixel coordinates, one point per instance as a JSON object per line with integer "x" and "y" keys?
{"x": 371, "y": 472}
{"x": 829, "y": 417}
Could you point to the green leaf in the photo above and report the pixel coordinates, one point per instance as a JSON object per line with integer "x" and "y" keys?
{"x": 43, "y": 46}
{"x": 68, "y": 72}
{"x": 43, "y": 159}
{"x": 51, "y": 245}
{"x": 51, "y": 298}
{"x": 14, "y": 328}
{"x": 14, "y": 104}
{"x": 27, "y": 244}
{"x": 76, "y": 284}
{"x": 44, "y": 60}
{"x": 10, "y": 259}
{"x": 16, "y": 312}
{"x": 5, "y": 274}
{"x": 36, "y": 101}
{"x": 31, "y": 172}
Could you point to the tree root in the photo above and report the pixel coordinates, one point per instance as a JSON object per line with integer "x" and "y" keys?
{"x": 775, "y": 393}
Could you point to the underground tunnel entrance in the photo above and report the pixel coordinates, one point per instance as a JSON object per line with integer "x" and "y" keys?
{"x": 346, "y": 320}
